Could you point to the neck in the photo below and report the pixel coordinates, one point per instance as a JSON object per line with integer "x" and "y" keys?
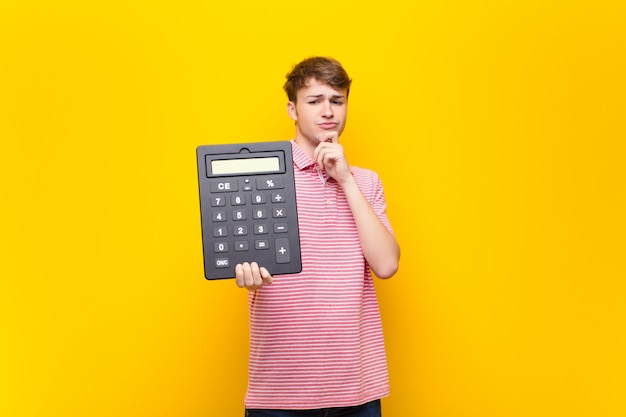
{"x": 305, "y": 144}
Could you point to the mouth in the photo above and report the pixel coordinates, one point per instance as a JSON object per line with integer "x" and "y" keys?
{"x": 328, "y": 125}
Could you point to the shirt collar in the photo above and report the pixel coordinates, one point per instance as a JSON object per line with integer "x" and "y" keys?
{"x": 300, "y": 159}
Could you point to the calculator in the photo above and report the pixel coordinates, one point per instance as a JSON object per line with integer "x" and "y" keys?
{"x": 248, "y": 208}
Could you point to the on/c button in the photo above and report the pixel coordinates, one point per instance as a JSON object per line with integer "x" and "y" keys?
{"x": 222, "y": 262}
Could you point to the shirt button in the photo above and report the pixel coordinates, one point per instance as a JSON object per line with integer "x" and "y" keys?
{"x": 328, "y": 202}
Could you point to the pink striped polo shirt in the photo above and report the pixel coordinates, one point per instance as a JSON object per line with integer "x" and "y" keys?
{"x": 316, "y": 338}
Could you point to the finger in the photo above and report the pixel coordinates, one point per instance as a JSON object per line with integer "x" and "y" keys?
{"x": 266, "y": 276}
{"x": 331, "y": 136}
{"x": 239, "y": 275}
{"x": 327, "y": 137}
{"x": 317, "y": 155}
{"x": 256, "y": 275}
{"x": 323, "y": 154}
{"x": 247, "y": 275}
{"x": 319, "y": 159}
{"x": 327, "y": 157}
{"x": 317, "y": 150}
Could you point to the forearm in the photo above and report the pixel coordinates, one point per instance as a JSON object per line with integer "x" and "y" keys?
{"x": 380, "y": 247}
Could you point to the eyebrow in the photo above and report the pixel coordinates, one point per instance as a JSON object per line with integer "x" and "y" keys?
{"x": 322, "y": 95}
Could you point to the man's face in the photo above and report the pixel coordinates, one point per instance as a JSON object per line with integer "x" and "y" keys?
{"x": 320, "y": 109}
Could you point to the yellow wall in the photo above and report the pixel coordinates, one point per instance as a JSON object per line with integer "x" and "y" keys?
{"x": 497, "y": 127}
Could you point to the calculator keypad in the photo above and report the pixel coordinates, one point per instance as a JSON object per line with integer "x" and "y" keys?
{"x": 263, "y": 201}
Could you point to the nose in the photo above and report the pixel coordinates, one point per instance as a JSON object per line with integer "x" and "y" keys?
{"x": 327, "y": 110}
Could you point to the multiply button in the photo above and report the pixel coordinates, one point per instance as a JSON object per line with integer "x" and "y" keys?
{"x": 278, "y": 213}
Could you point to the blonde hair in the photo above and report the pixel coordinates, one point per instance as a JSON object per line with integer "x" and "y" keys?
{"x": 325, "y": 70}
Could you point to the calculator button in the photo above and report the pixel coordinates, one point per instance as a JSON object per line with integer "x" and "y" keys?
{"x": 280, "y": 228}
{"x": 239, "y": 215}
{"x": 219, "y": 216}
{"x": 246, "y": 184}
{"x": 260, "y": 229}
{"x": 218, "y": 201}
{"x": 278, "y": 197}
{"x": 241, "y": 245}
{"x": 221, "y": 247}
{"x": 258, "y": 199}
{"x": 282, "y": 251}
{"x": 279, "y": 212}
{"x": 220, "y": 231}
{"x": 238, "y": 200}
{"x": 269, "y": 183}
{"x": 224, "y": 186}
{"x": 222, "y": 262}
{"x": 259, "y": 214}
{"x": 240, "y": 230}
{"x": 262, "y": 244}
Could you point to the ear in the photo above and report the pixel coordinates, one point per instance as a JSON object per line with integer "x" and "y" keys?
{"x": 291, "y": 110}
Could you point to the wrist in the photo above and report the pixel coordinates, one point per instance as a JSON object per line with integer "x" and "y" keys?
{"x": 347, "y": 181}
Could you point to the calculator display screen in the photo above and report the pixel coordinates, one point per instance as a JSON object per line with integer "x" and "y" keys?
{"x": 245, "y": 165}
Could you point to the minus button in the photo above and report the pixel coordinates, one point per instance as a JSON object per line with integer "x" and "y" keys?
{"x": 280, "y": 228}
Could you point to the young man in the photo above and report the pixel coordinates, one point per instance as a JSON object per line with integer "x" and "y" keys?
{"x": 316, "y": 343}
